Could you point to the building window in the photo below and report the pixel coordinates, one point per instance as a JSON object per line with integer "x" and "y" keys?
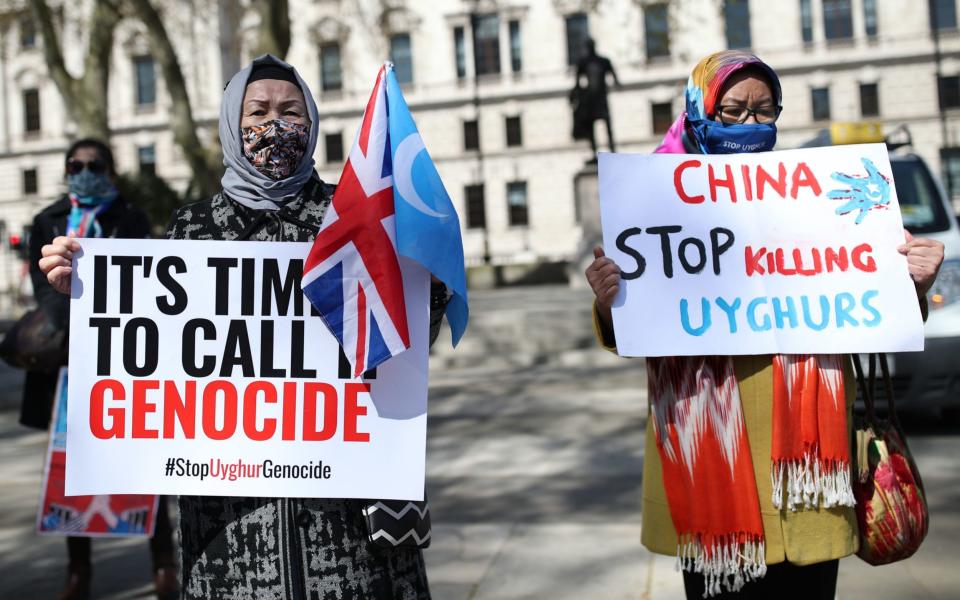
{"x": 662, "y": 116}
{"x": 471, "y": 135}
{"x": 402, "y": 57}
{"x": 578, "y": 32}
{"x": 736, "y": 15}
{"x": 820, "y": 100}
{"x": 518, "y": 213}
{"x": 950, "y": 164}
{"x": 331, "y": 74}
{"x": 514, "y": 131}
{"x": 476, "y": 211}
{"x": 460, "y": 52}
{"x": 656, "y": 30}
{"x": 943, "y": 14}
{"x": 31, "y": 110}
{"x": 333, "y": 147}
{"x": 870, "y": 17}
{"x": 837, "y": 19}
{"x": 28, "y": 32}
{"x": 516, "y": 49}
{"x": 30, "y": 183}
{"x": 949, "y": 92}
{"x": 869, "y": 100}
{"x": 146, "y": 76}
{"x": 486, "y": 44}
{"x": 806, "y": 20}
{"x": 147, "y": 159}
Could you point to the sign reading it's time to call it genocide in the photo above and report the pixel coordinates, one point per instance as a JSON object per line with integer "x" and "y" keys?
{"x": 200, "y": 368}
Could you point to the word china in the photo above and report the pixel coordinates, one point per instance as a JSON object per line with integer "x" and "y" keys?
{"x": 742, "y": 182}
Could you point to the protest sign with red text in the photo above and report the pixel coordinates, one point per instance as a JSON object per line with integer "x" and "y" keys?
{"x": 199, "y": 368}
{"x": 774, "y": 252}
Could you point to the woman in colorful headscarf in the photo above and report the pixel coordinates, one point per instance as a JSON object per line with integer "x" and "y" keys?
{"x": 756, "y": 506}
{"x": 275, "y": 547}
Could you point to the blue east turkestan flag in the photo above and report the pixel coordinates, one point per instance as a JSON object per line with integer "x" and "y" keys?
{"x": 427, "y": 226}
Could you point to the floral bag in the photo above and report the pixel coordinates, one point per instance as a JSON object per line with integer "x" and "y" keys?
{"x": 891, "y": 505}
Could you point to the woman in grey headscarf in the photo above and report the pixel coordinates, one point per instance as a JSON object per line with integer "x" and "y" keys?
{"x": 275, "y": 547}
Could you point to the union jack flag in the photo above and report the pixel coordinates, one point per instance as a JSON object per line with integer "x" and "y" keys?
{"x": 352, "y": 274}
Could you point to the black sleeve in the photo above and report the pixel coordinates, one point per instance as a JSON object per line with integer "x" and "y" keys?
{"x": 139, "y": 224}
{"x": 49, "y": 300}
{"x": 438, "y": 304}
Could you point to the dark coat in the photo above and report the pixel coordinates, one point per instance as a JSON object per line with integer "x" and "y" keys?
{"x": 122, "y": 220}
{"x": 309, "y": 548}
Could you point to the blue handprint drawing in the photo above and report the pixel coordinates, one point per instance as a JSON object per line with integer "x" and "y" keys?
{"x": 863, "y": 193}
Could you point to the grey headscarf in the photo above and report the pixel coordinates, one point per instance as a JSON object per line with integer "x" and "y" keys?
{"x": 242, "y": 181}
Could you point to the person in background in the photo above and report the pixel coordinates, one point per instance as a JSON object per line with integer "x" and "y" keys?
{"x": 769, "y": 539}
{"x": 92, "y": 207}
{"x": 234, "y": 547}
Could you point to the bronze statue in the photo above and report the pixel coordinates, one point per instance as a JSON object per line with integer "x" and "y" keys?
{"x": 590, "y": 101}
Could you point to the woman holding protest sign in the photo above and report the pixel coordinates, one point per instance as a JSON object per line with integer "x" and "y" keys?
{"x": 92, "y": 207}
{"x": 234, "y": 547}
{"x": 759, "y": 504}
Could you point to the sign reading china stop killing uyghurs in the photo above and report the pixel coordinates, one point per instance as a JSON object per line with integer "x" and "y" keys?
{"x": 775, "y": 252}
{"x": 199, "y": 367}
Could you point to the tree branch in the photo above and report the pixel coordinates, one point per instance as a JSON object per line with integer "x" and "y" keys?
{"x": 52, "y": 54}
{"x": 96, "y": 72}
{"x": 181, "y": 117}
{"x": 274, "y": 33}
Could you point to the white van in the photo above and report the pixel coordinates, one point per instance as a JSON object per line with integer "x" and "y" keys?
{"x": 930, "y": 379}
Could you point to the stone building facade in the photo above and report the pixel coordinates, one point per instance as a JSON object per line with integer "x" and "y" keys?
{"x": 488, "y": 82}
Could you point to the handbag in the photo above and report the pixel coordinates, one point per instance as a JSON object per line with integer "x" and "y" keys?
{"x": 398, "y": 523}
{"x": 35, "y": 343}
{"x": 891, "y": 505}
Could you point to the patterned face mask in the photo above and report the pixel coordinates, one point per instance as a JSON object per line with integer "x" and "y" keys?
{"x": 275, "y": 148}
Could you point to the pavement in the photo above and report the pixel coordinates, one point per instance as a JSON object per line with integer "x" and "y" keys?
{"x": 535, "y": 457}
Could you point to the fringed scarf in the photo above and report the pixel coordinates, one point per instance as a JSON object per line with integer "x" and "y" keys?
{"x": 708, "y": 472}
{"x": 702, "y": 441}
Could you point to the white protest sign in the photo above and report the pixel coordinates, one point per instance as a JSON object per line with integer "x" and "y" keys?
{"x": 198, "y": 368}
{"x": 775, "y": 252}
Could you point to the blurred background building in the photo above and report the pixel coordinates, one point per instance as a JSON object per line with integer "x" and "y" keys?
{"x": 488, "y": 82}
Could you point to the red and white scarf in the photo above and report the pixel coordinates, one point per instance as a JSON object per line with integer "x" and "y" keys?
{"x": 708, "y": 472}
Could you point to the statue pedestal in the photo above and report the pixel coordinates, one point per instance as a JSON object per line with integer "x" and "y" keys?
{"x": 586, "y": 190}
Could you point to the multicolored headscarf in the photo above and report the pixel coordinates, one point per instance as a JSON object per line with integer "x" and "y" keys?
{"x": 704, "y": 86}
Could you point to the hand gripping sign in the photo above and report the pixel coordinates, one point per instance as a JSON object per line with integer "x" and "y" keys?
{"x": 775, "y": 252}
{"x": 200, "y": 368}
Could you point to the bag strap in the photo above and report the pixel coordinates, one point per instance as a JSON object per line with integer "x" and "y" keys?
{"x": 868, "y": 387}
{"x": 888, "y": 390}
{"x": 865, "y": 391}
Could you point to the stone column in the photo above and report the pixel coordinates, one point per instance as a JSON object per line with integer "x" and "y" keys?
{"x": 586, "y": 192}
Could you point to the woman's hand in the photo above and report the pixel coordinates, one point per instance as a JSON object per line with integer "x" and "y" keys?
{"x": 924, "y": 257}
{"x": 55, "y": 263}
{"x": 604, "y": 278}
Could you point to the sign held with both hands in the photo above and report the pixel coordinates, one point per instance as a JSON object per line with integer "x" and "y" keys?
{"x": 777, "y": 252}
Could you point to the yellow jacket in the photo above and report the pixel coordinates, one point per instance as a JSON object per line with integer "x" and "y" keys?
{"x": 803, "y": 537}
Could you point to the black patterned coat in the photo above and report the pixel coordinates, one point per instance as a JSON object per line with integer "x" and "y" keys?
{"x": 297, "y": 548}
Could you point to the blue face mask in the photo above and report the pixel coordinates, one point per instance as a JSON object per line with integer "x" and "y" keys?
{"x": 91, "y": 188}
{"x": 716, "y": 138}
